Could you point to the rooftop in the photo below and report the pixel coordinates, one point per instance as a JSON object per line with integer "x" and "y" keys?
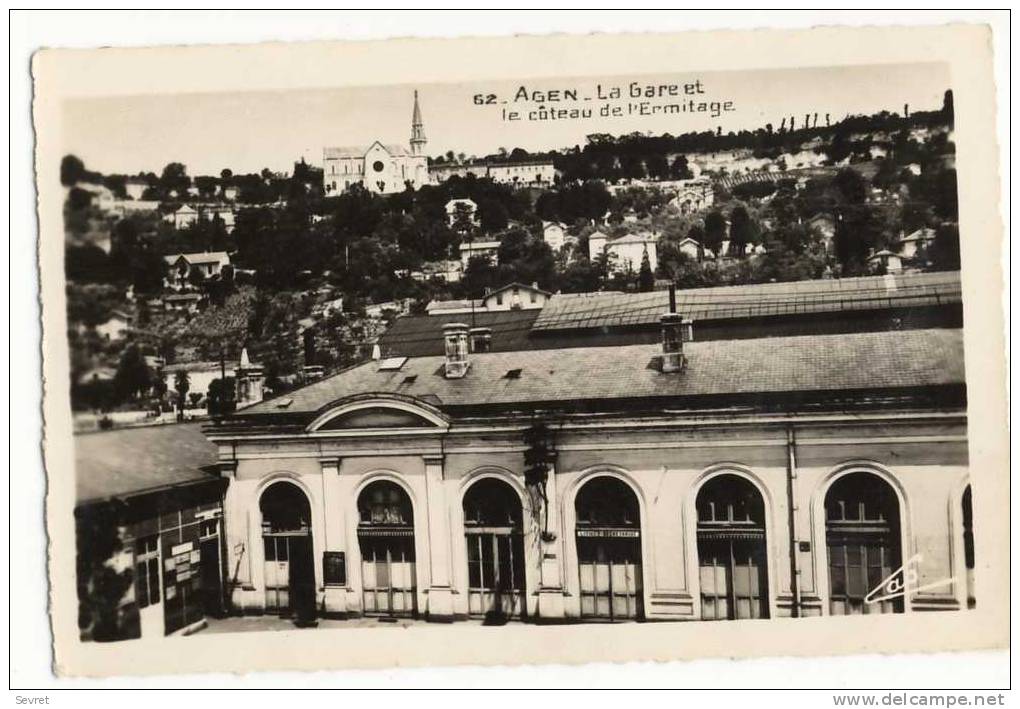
{"x": 423, "y": 335}
{"x": 817, "y": 363}
{"x": 199, "y": 257}
{"x": 131, "y": 461}
{"x": 358, "y": 151}
{"x": 753, "y": 301}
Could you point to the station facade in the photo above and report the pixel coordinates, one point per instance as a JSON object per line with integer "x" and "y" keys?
{"x": 738, "y": 479}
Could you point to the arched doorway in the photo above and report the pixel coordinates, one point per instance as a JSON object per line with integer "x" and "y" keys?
{"x": 287, "y": 547}
{"x": 862, "y": 536}
{"x": 493, "y": 529}
{"x": 609, "y": 550}
{"x": 386, "y": 539}
{"x": 968, "y": 546}
{"x": 732, "y": 550}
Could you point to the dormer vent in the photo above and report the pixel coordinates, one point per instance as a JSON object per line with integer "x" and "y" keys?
{"x": 455, "y": 336}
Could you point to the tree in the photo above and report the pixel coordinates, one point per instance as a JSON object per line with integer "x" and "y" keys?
{"x": 715, "y": 231}
{"x": 463, "y": 221}
{"x": 72, "y": 170}
{"x": 646, "y": 279}
{"x": 86, "y": 264}
{"x": 101, "y": 587}
{"x": 182, "y": 384}
{"x": 133, "y": 377}
{"x": 221, "y": 399}
{"x": 174, "y": 179}
{"x": 945, "y": 249}
{"x": 742, "y": 230}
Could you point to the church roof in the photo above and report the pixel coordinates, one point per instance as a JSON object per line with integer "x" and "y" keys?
{"x": 359, "y": 151}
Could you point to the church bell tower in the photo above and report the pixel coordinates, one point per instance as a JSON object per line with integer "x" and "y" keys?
{"x": 417, "y": 130}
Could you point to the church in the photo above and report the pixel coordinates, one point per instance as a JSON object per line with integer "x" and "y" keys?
{"x": 381, "y": 167}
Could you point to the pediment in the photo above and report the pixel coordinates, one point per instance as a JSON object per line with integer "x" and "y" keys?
{"x": 375, "y": 417}
{"x": 374, "y": 412}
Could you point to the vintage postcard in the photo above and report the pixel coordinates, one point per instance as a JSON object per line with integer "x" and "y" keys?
{"x": 522, "y": 350}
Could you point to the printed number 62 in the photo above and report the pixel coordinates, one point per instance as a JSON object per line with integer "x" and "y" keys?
{"x": 483, "y": 99}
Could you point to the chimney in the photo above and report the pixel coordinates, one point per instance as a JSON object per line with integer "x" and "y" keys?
{"x": 481, "y": 339}
{"x": 456, "y": 337}
{"x": 674, "y": 331}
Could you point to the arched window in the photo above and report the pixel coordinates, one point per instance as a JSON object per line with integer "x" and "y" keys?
{"x": 289, "y": 571}
{"x": 495, "y": 550}
{"x": 732, "y": 550}
{"x": 608, "y": 533}
{"x": 385, "y": 503}
{"x": 968, "y": 546}
{"x": 862, "y": 535}
{"x": 386, "y": 540}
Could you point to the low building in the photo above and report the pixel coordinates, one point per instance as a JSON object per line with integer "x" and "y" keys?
{"x": 149, "y": 531}
{"x": 915, "y": 243}
{"x": 885, "y": 261}
{"x": 693, "y": 249}
{"x": 450, "y": 271}
{"x": 516, "y": 296}
{"x": 205, "y": 263}
{"x": 472, "y": 249}
{"x": 713, "y": 480}
{"x": 518, "y": 173}
{"x": 116, "y": 326}
{"x": 449, "y": 307}
{"x": 182, "y": 302}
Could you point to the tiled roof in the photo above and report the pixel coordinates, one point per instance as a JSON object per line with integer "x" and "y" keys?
{"x": 749, "y": 301}
{"x": 423, "y": 335}
{"x": 819, "y": 363}
{"x": 130, "y": 461}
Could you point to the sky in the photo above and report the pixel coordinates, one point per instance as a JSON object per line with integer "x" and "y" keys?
{"x": 249, "y": 131}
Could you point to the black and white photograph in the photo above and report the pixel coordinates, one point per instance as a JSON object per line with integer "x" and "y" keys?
{"x": 654, "y": 352}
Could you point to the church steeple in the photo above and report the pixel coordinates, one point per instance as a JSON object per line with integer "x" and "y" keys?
{"x": 417, "y": 130}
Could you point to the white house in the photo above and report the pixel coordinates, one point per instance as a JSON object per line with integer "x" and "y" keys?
{"x": 629, "y": 251}
{"x": 449, "y": 271}
{"x": 915, "y": 241}
{"x": 554, "y": 234}
{"x": 135, "y": 187}
{"x": 885, "y": 260}
{"x": 516, "y": 296}
{"x": 693, "y": 249}
{"x": 207, "y": 263}
{"x": 472, "y": 249}
{"x": 596, "y": 244}
{"x": 185, "y": 216}
{"x": 115, "y": 327}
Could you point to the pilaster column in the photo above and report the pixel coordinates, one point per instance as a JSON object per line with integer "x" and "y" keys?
{"x": 550, "y": 589}
{"x": 334, "y": 520}
{"x": 440, "y": 594}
